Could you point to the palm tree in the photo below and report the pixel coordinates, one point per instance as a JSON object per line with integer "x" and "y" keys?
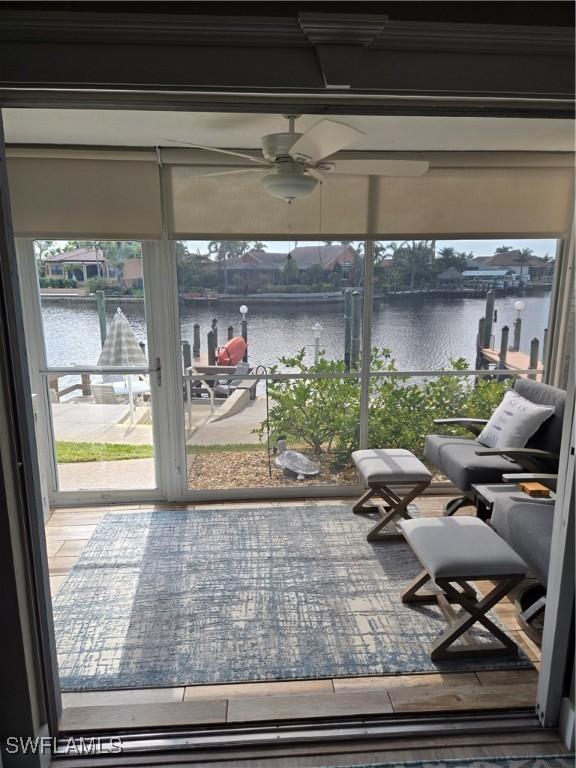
{"x": 414, "y": 255}
{"x": 504, "y": 249}
{"x": 524, "y": 255}
{"x": 226, "y": 249}
{"x": 447, "y": 252}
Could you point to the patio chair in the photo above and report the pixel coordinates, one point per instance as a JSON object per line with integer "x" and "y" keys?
{"x": 466, "y": 462}
{"x": 526, "y": 524}
{"x": 225, "y": 387}
{"x": 104, "y": 394}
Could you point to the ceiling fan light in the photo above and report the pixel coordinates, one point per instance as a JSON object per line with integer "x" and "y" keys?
{"x": 289, "y": 186}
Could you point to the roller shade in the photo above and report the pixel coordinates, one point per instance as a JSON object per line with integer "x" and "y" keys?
{"x": 116, "y": 194}
{"x": 451, "y": 202}
{"x": 85, "y": 198}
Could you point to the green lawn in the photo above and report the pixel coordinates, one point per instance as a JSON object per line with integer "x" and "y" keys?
{"x": 68, "y": 453}
{"x": 71, "y": 453}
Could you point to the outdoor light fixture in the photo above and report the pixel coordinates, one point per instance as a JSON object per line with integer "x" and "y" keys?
{"x": 316, "y": 328}
{"x": 289, "y": 184}
{"x": 243, "y": 311}
{"x": 519, "y": 306}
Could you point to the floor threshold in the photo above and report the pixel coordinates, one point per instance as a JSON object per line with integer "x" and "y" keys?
{"x": 293, "y": 733}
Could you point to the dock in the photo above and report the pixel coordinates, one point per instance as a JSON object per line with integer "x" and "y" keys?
{"x": 515, "y": 361}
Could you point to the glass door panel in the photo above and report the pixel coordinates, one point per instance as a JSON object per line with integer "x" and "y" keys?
{"x": 298, "y": 307}
{"x": 96, "y": 371}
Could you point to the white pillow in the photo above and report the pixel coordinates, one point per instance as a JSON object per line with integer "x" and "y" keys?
{"x": 514, "y": 422}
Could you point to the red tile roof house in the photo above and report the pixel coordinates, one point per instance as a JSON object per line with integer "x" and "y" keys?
{"x": 270, "y": 264}
{"x": 81, "y": 264}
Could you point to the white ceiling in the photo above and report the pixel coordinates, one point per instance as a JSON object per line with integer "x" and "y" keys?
{"x": 243, "y": 131}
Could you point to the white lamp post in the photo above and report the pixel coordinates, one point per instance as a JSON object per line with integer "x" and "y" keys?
{"x": 518, "y": 306}
{"x": 316, "y": 328}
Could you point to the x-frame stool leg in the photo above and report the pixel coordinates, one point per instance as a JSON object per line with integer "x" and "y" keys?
{"x": 474, "y": 612}
{"x": 394, "y": 506}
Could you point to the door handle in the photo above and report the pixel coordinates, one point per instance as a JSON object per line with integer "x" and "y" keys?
{"x": 158, "y": 372}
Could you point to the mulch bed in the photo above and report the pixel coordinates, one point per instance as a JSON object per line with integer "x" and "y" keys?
{"x": 245, "y": 469}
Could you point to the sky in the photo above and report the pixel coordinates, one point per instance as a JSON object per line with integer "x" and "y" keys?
{"x": 477, "y": 247}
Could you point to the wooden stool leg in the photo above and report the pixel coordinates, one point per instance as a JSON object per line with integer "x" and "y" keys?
{"x": 359, "y": 508}
{"x": 474, "y": 613}
{"x": 396, "y": 506}
{"x": 410, "y": 593}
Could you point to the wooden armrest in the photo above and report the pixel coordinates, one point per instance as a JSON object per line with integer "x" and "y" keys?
{"x": 472, "y": 425}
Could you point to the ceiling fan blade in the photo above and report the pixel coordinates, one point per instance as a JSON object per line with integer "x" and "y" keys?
{"x": 220, "y": 151}
{"x": 381, "y": 167}
{"x": 233, "y": 172}
{"x": 323, "y": 139}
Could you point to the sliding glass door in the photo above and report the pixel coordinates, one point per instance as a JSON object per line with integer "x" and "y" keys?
{"x": 94, "y": 374}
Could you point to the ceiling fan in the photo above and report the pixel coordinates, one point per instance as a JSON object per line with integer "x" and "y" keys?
{"x": 294, "y": 163}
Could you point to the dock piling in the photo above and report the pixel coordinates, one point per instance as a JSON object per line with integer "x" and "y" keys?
{"x": 196, "y": 341}
{"x": 101, "y": 306}
{"x": 480, "y": 362}
{"x": 503, "y": 348}
{"x": 533, "y": 365}
{"x": 356, "y": 329}
{"x": 230, "y": 332}
{"x": 186, "y": 355}
{"x": 212, "y": 340}
{"x": 347, "y": 326}
{"x": 517, "y": 332}
{"x": 489, "y": 315}
{"x": 244, "y": 327}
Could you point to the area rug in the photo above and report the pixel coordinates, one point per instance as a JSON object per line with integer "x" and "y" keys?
{"x": 173, "y": 598}
{"x": 526, "y": 761}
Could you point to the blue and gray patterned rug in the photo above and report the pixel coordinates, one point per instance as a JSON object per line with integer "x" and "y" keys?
{"x": 174, "y": 598}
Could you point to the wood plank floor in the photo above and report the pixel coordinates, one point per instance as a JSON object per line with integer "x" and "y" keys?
{"x": 68, "y": 531}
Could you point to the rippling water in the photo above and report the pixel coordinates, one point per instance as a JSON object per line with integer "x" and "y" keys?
{"x": 421, "y": 332}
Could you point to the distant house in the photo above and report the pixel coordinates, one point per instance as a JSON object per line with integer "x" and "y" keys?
{"x": 81, "y": 265}
{"x": 450, "y": 279}
{"x": 490, "y": 278}
{"x": 270, "y": 265}
{"x": 531, "y": 270}
{"x": 326, "y": 256}
{"x": 132, "y": 273}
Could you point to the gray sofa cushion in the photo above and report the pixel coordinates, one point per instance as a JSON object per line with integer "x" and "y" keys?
{"x": 549, "y": 436}
{"x": 390, "y": 464}
{"x": 456, "y": 458}
{"x": 460, "y": 547}
{"x": 526, "y": 524}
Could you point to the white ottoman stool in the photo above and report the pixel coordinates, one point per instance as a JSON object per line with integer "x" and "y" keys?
{"x": 454, "y": 551}
{"x": 380, "y": 468}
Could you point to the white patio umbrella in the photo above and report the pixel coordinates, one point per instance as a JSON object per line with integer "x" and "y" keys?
{"x": 121, "y": 349}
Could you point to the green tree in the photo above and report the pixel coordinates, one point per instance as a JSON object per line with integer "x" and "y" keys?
{"x": 291, "y": 273}
{"x": 415, "y": 259}
{"x": 227, "y": 249}
{"x": 524, "y": 255}
{"x": 503, "y": 249}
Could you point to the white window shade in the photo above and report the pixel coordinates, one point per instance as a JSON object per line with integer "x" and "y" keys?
{"x": 85, "y": 198}
{"x": 238, "y": 204}
{"x": 477, "y": 201}
{"x": 449, "y": 202}
{"x": 116, "y": 194}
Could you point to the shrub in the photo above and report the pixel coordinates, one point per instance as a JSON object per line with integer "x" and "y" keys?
{"x": 324, "y": 414}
